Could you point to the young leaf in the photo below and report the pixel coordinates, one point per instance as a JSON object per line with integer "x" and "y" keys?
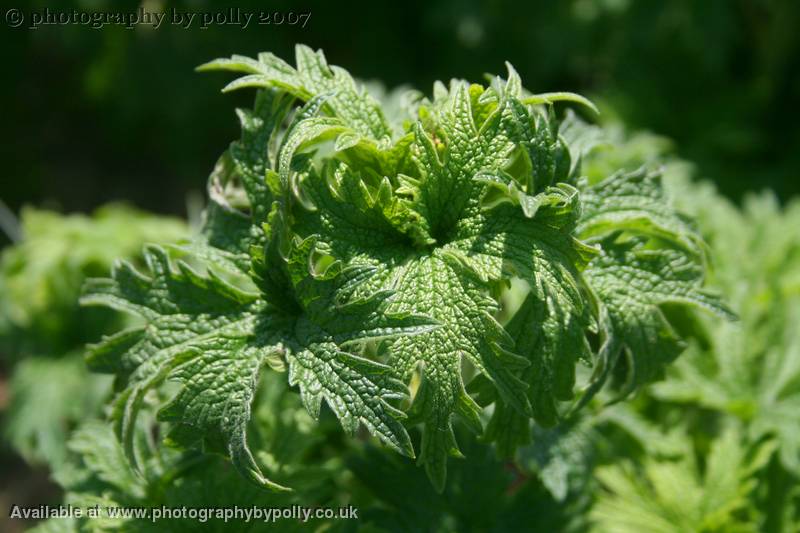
{"x": 373, "y": 265}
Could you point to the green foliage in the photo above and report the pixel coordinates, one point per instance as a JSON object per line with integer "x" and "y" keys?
{"x": 43, "y": 330}
{"x": 98, "y": 472}
{"x": 48, "y": 397}
{"x": 41, "y": 276}
{"x": 712, "y": 446}
{"x": 477, "y": 267}
{"x": 675, "y": 495}
{"x": 751, "y": 370}
{"x": 693, "y": 452}
{"x": 390, "y": 493}
{"x": 371, "y": 263}
{"x": 713, "y": 76}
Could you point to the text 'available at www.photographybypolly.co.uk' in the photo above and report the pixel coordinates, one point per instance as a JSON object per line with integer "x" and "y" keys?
{"x": 199, "y": 514}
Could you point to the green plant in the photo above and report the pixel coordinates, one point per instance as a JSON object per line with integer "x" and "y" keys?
{"x": 372, "y": 262}
{"x": 710, "y": 447}
{"x": 43, "y": 330}
{"x": 41, "y": 276}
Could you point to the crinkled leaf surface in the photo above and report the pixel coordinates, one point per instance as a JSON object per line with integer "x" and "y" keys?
{"x": 213, "y": 336}
{"x": 371, "y": 263}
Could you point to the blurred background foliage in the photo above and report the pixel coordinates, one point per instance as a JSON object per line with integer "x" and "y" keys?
{"x": 98, "y": 115}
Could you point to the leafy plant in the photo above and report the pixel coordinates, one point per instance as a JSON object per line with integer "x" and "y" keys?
{"x": 728, "y": 399}
{"x": 707, "y": 448}
{"x": 751, "y": 370}
{"x": 673, "y": 495}
{"x": 41, "y": 276}
{"x": 43, "y": 330}
{"x": 371, "y": 263}
{"x": 98, "y": 472}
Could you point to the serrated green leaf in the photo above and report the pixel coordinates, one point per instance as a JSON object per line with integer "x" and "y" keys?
{"x": 375, "y": 266}
{"x": 632, "y": 281}
{"x": 635, "y": 202}
{"x": 313, "y": 76}
{"x": 214, "y": 338}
